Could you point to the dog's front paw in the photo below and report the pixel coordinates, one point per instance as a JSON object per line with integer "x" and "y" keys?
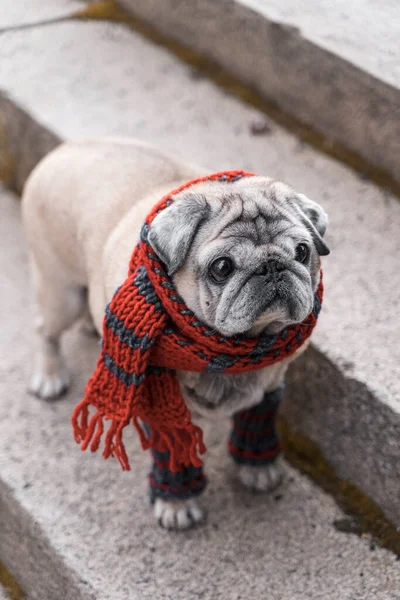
{"x": 49, "y": 386}
{"x": 261, "y": 479}
{"x": 177, "y": 515}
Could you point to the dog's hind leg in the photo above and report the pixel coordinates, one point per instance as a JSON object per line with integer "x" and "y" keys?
{"x": 58, "y": 305}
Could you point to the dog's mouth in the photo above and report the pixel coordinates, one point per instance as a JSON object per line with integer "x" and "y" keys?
{"x": 243, "y": 312}
{"x": 280, "y": 307}
{"x": 253, "y": 317}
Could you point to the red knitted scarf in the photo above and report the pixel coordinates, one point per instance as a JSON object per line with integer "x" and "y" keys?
{"x": 148, "y": 333}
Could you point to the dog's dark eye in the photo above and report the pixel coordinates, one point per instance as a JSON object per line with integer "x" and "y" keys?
{"x": 302, "y": 252}
{"x": 221, "y": 268}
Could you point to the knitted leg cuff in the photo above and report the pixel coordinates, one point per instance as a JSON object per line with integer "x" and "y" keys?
{"x": 254, "y": 439}
{"x": 165, "y": 484}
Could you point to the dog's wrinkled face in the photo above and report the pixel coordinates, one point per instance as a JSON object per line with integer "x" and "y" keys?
{"x": 244, "y": 255}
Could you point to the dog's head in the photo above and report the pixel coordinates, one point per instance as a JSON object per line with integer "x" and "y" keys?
{"x": 244, "y": 255}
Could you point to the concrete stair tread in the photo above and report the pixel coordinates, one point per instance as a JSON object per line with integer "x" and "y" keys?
{"x": 75, "y": 527}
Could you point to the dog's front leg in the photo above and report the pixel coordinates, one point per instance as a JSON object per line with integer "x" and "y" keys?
{"x": 254, "y": 444}
{"x": 173, "y": 494}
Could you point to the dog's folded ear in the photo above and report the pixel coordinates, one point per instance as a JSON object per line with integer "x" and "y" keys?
{"x": 316, "y": 221}
{"x": 172, "y": 231}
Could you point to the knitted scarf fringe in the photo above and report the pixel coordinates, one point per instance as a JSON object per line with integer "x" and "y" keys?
{"x": 184, "y": 448}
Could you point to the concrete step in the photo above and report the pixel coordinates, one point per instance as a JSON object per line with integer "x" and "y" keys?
{"x": 332, "y": 65}
{"x": 74, "y": 527}
{"x": 73, "y": 79}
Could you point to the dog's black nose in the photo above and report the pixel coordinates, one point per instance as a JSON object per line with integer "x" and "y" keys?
{"x": 275, "y": 265}
{"x": 269, "y": 267}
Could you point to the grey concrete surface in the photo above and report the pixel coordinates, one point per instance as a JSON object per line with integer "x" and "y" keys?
{"x": 334, "y": 65}
{"x": 349, "y": 401}
{"x": 73, "y": 526}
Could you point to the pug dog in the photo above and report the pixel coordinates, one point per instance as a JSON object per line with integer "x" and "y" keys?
{"x": 248, "y": 264}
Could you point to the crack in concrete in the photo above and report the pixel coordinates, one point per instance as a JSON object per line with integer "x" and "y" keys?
{"x": 35, "y": 24}
{"x": 103, "y": 10}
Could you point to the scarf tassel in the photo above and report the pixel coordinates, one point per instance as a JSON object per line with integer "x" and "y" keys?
{"x": 183, "y": 444}
{"x": 89, "y": 432}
